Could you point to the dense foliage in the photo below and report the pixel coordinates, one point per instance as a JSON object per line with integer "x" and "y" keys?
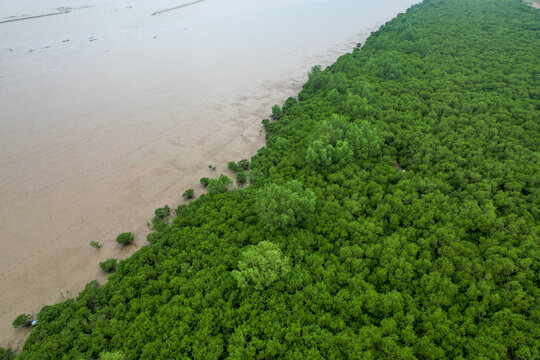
{"x": 401, "y": 216}
{"x": 283, "y": 206}
{"x": 6, "y": 354}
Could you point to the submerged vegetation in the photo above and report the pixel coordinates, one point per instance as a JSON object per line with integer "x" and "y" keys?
{"x": 95, "y": 244}
{"x": 335, "y": 251}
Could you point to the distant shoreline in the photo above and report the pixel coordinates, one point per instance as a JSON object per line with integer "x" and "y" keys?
{"x": 36, "y": 16}
{"x": 177, "y": 7}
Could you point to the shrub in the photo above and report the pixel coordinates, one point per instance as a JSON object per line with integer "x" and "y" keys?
{"x": 232, "y": 166}
{"x": 163, "y": 212}
{"x": 220, "y": 185}
{"x": 243, "y": 164}
{"x": 22, "y": 320}
{"x": 125, "y": 238}
{"x": 95, "y": 244}
{"x": 276, "y": 112}
{"x": 108, "y": 265}
{"x": 188, "y": 194}
{"x": 205, "y": 181}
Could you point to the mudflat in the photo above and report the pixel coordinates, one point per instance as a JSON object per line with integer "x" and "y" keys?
{"x": 109, "y": 112}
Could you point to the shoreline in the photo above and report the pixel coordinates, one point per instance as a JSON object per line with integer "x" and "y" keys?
{"x": 33, "y": 17}
{"x": 176, "y": 7}
{"x": 120, "y": 181}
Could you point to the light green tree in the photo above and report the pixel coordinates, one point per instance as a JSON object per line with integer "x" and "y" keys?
{"x": 260, "y": 265}
{"x": 337, "y": 141}
{"x": 322, "y": 154}
{"x": 116, "y": 355}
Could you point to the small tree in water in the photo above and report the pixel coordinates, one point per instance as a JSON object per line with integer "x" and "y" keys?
{"x": 108, "y": 265}
{"x": 188, "y": 194}
{"x": 205, "y": 181}
{"x": 95, "y": 244}
{"x": 125, "y": 238}
{"x": 163, "y": 212}
{"x": 276, "y": 112}
{"x": 22, "y": 320}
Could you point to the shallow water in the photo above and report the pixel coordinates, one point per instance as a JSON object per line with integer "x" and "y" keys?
{"x": 109, "y": 112}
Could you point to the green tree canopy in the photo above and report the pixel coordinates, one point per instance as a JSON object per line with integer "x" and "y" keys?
{"x": 219, "y": 185}
{"x": 279, "y": 207}
{"x": 337, "y": 141}
{"x": 22, "y": 320}
{"x": 125, "y": 238}
{"x": 261, "y": 265}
